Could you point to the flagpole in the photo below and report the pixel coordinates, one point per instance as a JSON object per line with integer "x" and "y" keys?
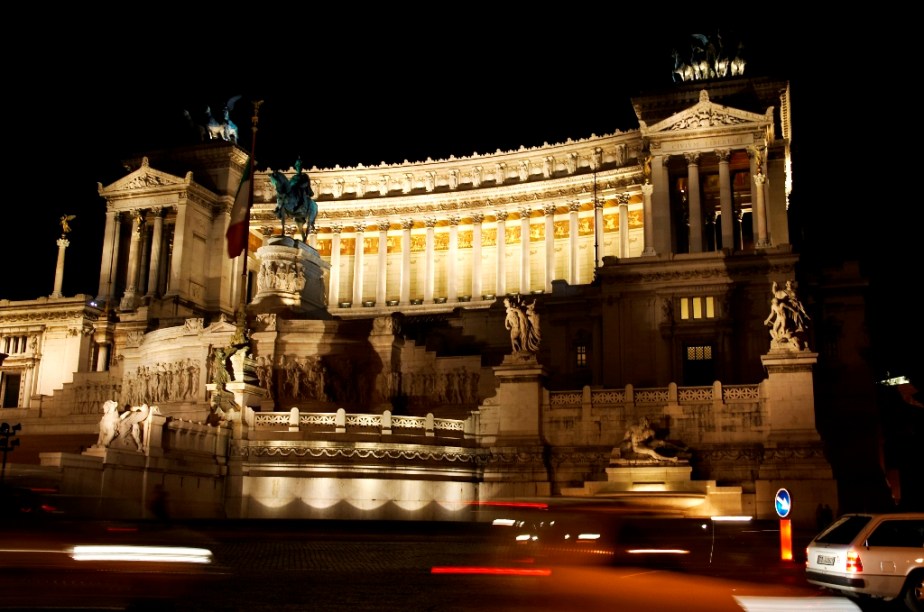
{"x": 253, "y": 148}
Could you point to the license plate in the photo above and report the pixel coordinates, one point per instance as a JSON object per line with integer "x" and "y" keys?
{"x": 826, "y": 560}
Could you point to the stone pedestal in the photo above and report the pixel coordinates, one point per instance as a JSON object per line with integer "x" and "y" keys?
{"x": 513, "y": 415}
{"x": 291, "y": 280}
{"x": 790, "y": 395}
{"x": 510, "y": 424}
{"x": 793, "y": 455}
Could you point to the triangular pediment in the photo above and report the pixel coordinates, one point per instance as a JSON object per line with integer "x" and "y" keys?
{"x": 145, "y": 178}
{"x": 706, "y": 115}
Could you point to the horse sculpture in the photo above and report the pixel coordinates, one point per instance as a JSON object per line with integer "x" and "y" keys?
{"x": 294, "y": 199}
{"x": 224, "y": 129}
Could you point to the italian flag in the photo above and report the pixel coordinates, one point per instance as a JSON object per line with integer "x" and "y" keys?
{"x": 240, "y": 217}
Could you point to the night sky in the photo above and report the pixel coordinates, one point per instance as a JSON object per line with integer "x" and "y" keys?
{"x": 351, "y": 86}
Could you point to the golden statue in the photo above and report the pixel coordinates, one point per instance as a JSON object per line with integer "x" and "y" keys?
{"x": 65, "y": 226}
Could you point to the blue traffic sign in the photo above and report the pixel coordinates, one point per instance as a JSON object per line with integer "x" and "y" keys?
{"x": 783, "y": 503}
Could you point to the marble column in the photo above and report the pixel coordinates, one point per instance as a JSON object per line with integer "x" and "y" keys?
{"x": 156, "y": 246}
{"x": 574, "y": 276}
{"x": 623, "y": 225}
{"x": 380, "y": 288}
{"x": 358, "y": 256}
{"x": 452, "y": 290}
{"x": 102, "y": 357}
{"x": 312, "y": 237}
{"x": 109, "y": 263}
{"x": 598, "y": 232}
{"x": 429, "y": 271}
{"x": 406, "y": 226}
{"x": 333, "y": 294}
{"x": 524, "y": 251}
{"x": 725, "y": 201}
{"x": 501, "y": 284}
{"x": 177, "y": 249}
{"x": 647, "y": 190}
{"x": 63, "y": 243}
{"x": 694, "y": 202}
{"x": 134, "y": 258}
{"x": 477, "y": 220}
{"x": 760, "y": 212}
{"x": 549, "y": 211}
{"x": 660, "y": 218}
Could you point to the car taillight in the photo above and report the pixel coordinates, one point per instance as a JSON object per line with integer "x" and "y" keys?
{"x": 854, "y": 564}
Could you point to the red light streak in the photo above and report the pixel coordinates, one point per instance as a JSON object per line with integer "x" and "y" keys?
{"x": 492, "y": 571}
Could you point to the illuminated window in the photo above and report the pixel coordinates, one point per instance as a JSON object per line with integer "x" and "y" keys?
{"x": 699, "y": 353}
{"x": 581, "y": 349}
{"x": 580, "y": 355}
{"x": 697, "y": 307}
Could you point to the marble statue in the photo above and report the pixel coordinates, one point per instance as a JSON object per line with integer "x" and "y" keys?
{"x": 522, "y": 322}
{"x": 126, "y": 426}
{"x": 294, "y": 199}
{"x": 787, "y": 315}
{"x": 641, "y": 442}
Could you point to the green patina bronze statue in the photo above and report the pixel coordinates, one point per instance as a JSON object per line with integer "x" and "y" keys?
{"x": 294, "y": 199}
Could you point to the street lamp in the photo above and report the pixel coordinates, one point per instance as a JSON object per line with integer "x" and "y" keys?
{"x": 7, "y": 445}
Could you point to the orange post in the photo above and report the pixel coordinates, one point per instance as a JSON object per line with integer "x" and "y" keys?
{"x": 785, "y": 539}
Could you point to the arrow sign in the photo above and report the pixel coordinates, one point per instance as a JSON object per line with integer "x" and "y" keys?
{"x": 783, "y": 503}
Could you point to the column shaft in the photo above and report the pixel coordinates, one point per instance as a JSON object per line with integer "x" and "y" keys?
{"x": 334, "y": 290}
{"x": 405, "y": 296}
{"x": 524, "y": 251}
{"x": 726, "y": 206}
{"x": 695, "y": 203}
{"x": 359, "y": 254}
{"x": 452, "y": 291}
{"x": 476, "y": 257}
{"x": 549, "y": 246}
{"x": 107, "y": 268}
{"x": 574, "y": 275}
{"x": 380, "y": 293}
{"x": 501, "y": 283}
{"x": 156, "y": 245}
{"x": 59, "y": 267}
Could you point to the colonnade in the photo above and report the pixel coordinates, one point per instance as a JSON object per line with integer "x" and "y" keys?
{"x": 150, "y": 268}
{"x": 458, "y": 260}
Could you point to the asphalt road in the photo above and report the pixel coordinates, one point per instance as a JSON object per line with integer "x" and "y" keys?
{"x": 434, "y": 567}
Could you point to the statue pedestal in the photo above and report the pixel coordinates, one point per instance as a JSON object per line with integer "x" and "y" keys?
{"x": 513, "y": 416}
{"x": 793, "y": 455}
{"x": 291, "y": 280}
{"x": 790, "y": 395}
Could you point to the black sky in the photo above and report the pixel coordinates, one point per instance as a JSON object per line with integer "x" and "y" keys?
{"x": 367, "y": 85}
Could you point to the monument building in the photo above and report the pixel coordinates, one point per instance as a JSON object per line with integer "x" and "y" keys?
{"x": 613, "y": 317}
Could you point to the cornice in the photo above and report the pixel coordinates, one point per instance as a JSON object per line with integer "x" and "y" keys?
{"x": 48, "y": 310}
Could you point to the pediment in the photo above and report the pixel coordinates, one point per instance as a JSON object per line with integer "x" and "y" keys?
{"x": 145, "y": 178}
{"x": 221, "y": 327}
{"x": 706, "y": 115}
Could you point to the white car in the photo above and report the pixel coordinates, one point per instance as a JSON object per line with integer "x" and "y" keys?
{"x": 871, "y": 555}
